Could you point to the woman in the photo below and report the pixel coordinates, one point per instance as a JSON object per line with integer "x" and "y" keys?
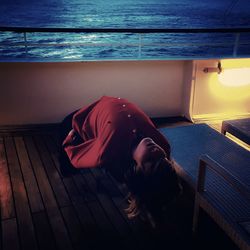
{"x": 117, "y": 135}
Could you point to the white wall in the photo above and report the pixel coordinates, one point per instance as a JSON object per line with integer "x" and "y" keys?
{"x": 33, "y": 93}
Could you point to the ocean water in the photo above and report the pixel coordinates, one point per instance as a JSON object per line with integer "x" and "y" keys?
{"x": 122, "y": 14}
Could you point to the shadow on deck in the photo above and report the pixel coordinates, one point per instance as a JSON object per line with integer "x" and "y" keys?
{"x": 41, "y": 209}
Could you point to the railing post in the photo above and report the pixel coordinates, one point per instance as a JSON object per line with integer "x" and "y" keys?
{"x": 236, "y": 44}
{"x": 140, "y": 45}
{"x": 25, "y": 43}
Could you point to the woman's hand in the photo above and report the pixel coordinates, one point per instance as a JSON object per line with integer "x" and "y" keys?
{"x": 70, "y": 138}
{"x": 71, "y": 133}
{"x": 75, "y": 139}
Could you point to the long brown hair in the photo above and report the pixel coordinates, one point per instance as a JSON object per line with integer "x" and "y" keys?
{"x": 152, "y": 188}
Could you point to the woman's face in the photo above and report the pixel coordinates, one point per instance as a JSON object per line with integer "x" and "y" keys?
{"x": 147, "y": 151}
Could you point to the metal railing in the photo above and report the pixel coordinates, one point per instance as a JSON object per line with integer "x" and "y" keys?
{"x": 134, "y": 44}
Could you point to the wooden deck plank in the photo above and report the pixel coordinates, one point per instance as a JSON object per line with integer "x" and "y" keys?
{"x": 53, "y": 148}
{"x": 105, "y": 224}
{"x": 10, "y": 239}
{"x": 83, "y": 188}
{"x": 68, "y": 181}
{"x": 105, "y": 183}
{"x": 110, "y": 236}
{"x": 76, "y": 231}
{"x": 75, "y": 195}
{"x": 118, "y": 196}
{"x": 23, "y": 213}
{"x": 111, "y": 210}
{"x": 52, "y": 173}
{"x": 34, "y": 196}
{"x": 90, "y": 226}
{"x": 6, "y": 195}
{"x": 44, "y": 232}
{"x": 101, "y": 218}
{"x": 86, "y": 217}
{"x": 55, "y": 218}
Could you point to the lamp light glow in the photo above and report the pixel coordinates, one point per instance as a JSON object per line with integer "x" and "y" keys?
{"x": 226, "y": 92}
{"x": 235, "y": 77}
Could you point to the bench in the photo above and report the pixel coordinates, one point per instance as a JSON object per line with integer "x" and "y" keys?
{"x": 218, "y": 170}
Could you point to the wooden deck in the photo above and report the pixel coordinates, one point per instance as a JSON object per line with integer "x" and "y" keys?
{"x": 41, "y": 209}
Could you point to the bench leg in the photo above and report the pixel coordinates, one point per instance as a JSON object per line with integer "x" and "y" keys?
{"x": 223, "y": 129}
{"x": 196, "y": 214}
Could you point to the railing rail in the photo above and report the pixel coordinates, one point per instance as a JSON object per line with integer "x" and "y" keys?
{"x": 126, "y": 30}
{"x": 234, "y": 42}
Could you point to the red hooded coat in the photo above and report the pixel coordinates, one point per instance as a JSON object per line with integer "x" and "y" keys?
{"x": 109, "y": 129}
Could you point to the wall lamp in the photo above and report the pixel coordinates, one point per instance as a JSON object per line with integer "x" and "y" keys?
{"x": 217, "y": 69}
